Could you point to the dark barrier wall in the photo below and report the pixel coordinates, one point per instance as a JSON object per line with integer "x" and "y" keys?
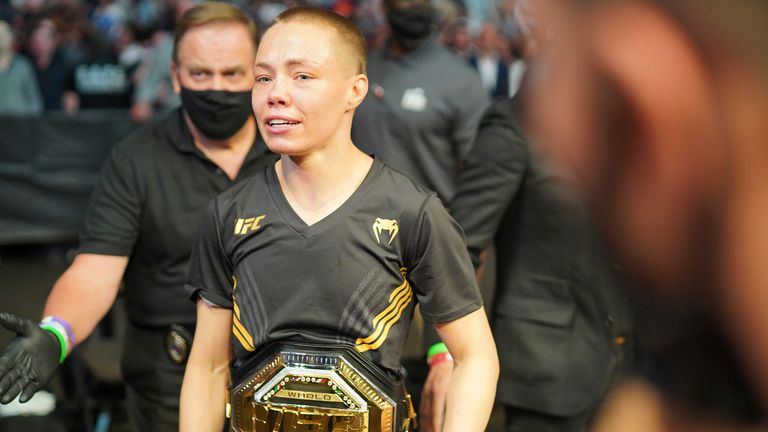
{"x": 48, "y": 167}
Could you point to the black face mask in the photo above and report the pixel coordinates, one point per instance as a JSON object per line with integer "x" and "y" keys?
{"x": 410, "y": 25}
{"x": 217, "y": 114}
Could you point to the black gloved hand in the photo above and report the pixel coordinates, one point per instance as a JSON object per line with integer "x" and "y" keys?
{"x": 29, "y": 361}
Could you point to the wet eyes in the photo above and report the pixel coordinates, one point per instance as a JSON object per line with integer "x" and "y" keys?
{"x": 299, "y": 77}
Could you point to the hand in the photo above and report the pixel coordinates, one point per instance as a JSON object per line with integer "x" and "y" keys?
{"x": 432, "y": 407}
{"x": 29, "y": 361}
{"x": 141, "y": 111}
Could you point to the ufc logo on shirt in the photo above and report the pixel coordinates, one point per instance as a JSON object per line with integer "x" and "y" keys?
{"x": 242, "y": 226}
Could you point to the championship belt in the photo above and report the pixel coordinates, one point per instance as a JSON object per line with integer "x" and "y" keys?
{"x": 323, "y": 388}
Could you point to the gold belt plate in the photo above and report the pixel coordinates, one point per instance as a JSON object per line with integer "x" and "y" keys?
{"x": 296, "y": 392}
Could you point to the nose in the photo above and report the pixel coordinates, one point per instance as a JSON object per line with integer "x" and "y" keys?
{"x": 279, "y": 93}
{"x": 217, "y": 82}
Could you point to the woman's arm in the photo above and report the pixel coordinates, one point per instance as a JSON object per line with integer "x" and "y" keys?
{"x": 473, "y": 384}
{"x": 205, "y": 386}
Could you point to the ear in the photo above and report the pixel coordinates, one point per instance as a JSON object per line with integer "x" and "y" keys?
{"x": 670, "y": 162}
{"x": 358, "y": 90}
{"x": 175, "y": 78}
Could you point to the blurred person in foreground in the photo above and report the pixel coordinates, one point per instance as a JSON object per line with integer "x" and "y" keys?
{"x": 657, "y": 110}
{"x": 559, "y": 314}
{"x": 141, "y": 220}
{"x": 325, "y": 254}
{"x": 18, "y": 86}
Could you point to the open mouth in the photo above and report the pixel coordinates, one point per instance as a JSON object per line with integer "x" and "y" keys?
{"x": 277, "y": 123}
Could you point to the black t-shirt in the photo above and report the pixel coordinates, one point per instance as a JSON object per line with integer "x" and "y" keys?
{"x": 105, "y": 84}
{"x": 147, "y": 205}
{"x": 352, "y": 278}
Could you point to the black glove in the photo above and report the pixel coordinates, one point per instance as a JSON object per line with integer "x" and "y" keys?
{"x": 29, "y": 361}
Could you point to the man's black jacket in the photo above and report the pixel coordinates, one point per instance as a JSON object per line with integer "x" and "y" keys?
{"x": 558, "y": 310}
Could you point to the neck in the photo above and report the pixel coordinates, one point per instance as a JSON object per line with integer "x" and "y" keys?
{"x": 398, "y": 49}
{"x": 43, "y": 59}
{"x": 228, "y": 154}
{"x": 318, "y": 183}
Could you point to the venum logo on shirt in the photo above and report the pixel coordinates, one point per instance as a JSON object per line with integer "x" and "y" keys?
{"x": 389, "y": 225}
{"x": 242, "y": 226}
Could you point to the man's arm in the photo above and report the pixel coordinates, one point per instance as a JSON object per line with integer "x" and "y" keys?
{"x": 473, "y": 384}
{"x": 468, "y": 102}
{"x": 86, "y": 291}
{"x": 206, "y": 379}
{"x": 490, "y": 178}
{"x": 81, "y": 297}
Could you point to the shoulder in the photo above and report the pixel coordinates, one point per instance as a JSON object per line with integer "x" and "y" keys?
{"x": 501, "y": 111}
{"x": 410, "y": 195}
{"x": 149, "y": 140}
{"x": 237, "y": 198}
{"x": 22, "y": 62}
{"x": 457, "y": 66}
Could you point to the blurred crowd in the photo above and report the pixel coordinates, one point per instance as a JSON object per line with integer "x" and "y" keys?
{"x": 99, "y": 54}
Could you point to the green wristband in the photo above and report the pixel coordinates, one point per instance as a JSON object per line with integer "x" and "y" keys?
{"x": 436, "y": 349}
{"x": 60, "y": 337}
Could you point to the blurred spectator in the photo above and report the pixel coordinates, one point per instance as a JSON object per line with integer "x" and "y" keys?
{"x": 509, "y": 25}
{"x": 146, "y": 13}
{"x": 153, "y": 80}
{"x": 345, "y": 8}
{"x": 18, "y": 88}
{"x": 130, "y": 50}
{"x": 488, "y": 61}
{"x": 419, "y": 125}
{"x": 522, "y": 43}
{"x": 455, "y": 36}
{"x": 516, "y": 69}
{"x": 268, "y": 10}
{"x": 100, "y": 81}
{"x": 108, "y": 17}
{"x": 448, "y": 11}
{"x": 478, "y": 12}
{"x": 370, "y": 18}
{"x": 50, "y": 66}
{"x": 6, "y": 11}
{"x": 71, "y": 18}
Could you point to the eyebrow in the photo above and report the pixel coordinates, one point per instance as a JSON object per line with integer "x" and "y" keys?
{"x": 227, "y": 69}
{"x": 290, "y": 62}
{"x": 233, "y": 69}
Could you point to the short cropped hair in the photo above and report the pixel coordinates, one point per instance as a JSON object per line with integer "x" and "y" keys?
{"x": 213, "y": 12}
{"x": 349, "y": 34}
